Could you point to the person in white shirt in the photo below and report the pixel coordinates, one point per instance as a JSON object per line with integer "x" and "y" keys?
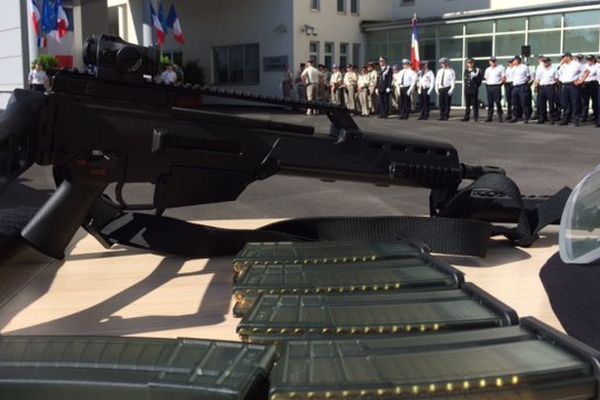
{"x": 38, "y": 80}
{"x": 508, "y": 86}
{"x": 336, "y": 82}
{"x": 494, "y": 78}
{"x": 169, "y": 76}
{"x": 571, "y": 76}
{"x": 521, "y": 93}
{"x": 406, "y": 81}
{"x": 395, "y": 88}
{"x": 311, "y": 78}
{"x": 350, "y": 84}
{"x": 445, "y": 82}
{"x": 589, "y": 90}
{"x": 545, "y": 81}
{"x": 426, "y": 85}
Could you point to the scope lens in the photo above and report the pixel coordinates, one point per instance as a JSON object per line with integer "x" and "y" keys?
{"x": 579, "y": 235}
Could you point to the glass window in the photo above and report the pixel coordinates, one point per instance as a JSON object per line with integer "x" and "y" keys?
{"x": 479, "y": 47}
{"x": 582, "y": 18}
{"x": 451, "y": 48}
{"x": 221, "y": 64}
{"x": 474, "y": 28}
{"x": 510, "y": 25}
{"x": 398, "y": 51}
{"x": 328, "y": 61}
{"x": 507, "y": 45}
{"x": 582, "y": 40}
{"x": 343, "y": 54}
{"x": 545, "y": 42}
{"x": 354, "y": 6}
{"x": 427, "y": 32}
{"x": 313, "y": 49}
{"x": 356, "y": 56}
{"x": 376, "y": 44}
{"x": 251, "y": 64}
{"x": 237, "y": 64}
{"x": 315, "y": 4}
{"x": 400, "y": 35}
{"x": 545, "y": 21}
{"x": 427, "y": 48}
{"x": 450, "y": 30}
{"x": 341, "y": 6}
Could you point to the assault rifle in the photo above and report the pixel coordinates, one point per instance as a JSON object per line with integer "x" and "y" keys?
{"x": 116, "y": 126}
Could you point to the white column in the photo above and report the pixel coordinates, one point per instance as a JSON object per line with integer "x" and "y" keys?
{"x": 147, "y": 27}
{"x": 32, "y": 35}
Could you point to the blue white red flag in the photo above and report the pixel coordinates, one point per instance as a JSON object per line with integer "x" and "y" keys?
{"x": 415, "y": 57}
{"x": 158, "y": 27}
{"x": 63, "y": 20}
{"x": 173, "y": 23}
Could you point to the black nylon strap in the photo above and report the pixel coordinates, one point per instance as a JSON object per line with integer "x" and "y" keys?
{"x": 448, "y": 233}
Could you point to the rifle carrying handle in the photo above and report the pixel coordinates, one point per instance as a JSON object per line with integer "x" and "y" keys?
{"x": 51, "y": 229}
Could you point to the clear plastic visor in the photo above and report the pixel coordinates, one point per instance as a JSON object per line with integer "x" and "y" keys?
{"x": 579, "y": 236}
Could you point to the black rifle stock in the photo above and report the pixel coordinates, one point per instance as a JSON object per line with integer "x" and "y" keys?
{"x": 99, "y": 130}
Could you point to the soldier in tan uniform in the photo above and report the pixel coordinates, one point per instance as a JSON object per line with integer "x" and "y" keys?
{"x": 311, "y": 77}
{"x": 336, "y": 83}
{"x": 373, "y": 79}
{"x": 363, "y": 92}
{"x": 350, "y": 86}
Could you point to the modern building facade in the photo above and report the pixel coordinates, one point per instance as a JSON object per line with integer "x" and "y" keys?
{"x": 459, "y": 29}
{"x": 246, "y": 44}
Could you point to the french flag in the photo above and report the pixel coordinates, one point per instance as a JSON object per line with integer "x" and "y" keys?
{"x": 173, "y": 23}
{"x": 158, "y": 27}
{"x": 36, "y": 17}
{"x": 63, "y": 20}
{"x": 415, "y": 58}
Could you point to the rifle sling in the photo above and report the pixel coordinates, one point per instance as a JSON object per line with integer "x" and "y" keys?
{"x": 448, "y": 233}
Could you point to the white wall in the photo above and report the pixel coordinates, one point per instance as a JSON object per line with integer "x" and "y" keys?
{"x": 12, "y": 54}
{"x": 333, "y": 26}
{"x": 437, "y": 8}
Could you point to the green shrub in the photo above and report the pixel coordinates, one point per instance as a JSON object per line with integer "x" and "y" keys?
{"x": 47, "y": 61}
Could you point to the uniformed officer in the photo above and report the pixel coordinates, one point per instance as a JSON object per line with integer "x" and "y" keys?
{"x": 406, "y": 81}
{"x": 363, "y": 92}
{"x": 425, "y": 84}
{"x": 38, "y": 79}
{"x": 570, "y": 76}
{"x": 445, "y": 82}
{"x": 472, "y": 81}
{"x": 521, "y": 93}
{"x": 545, "y": 81}
{"x": 373, "y": 79}
{"x": 300, "y": 86}
{"x": 384, "y": 87}
{"x": 336, "y": 82}
{"x": 311, "y": 78}
{"x": 590, "y": 88}
{"x": 395, "y": 88}
{"x": 494, "y": 78}
{"x": 287, "y": 82}
{"x": 508, "y": 87}
{"x": 350, "y": 85}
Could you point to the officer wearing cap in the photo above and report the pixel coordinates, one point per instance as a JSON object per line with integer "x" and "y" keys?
{"x": 384, "y": 87}
{"x": 336, "y": 83}
{"x": 445, "y": 82}
{"x": 545, "y": 81}
{"x": 425, "y": 88}
{"x": 521, "y": 93}
{"x": 406, "y": 81}
{"x": 494, "y": 78}
{"x": 472, "y": 81}
{"x": 350, "y": 86}
{"x": 508, "y": 88}
{"x": 589, "y": 88}
{"x": 570, "y": 77}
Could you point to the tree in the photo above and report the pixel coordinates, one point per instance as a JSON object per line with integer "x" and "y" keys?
{"x": 47, "y": 61}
